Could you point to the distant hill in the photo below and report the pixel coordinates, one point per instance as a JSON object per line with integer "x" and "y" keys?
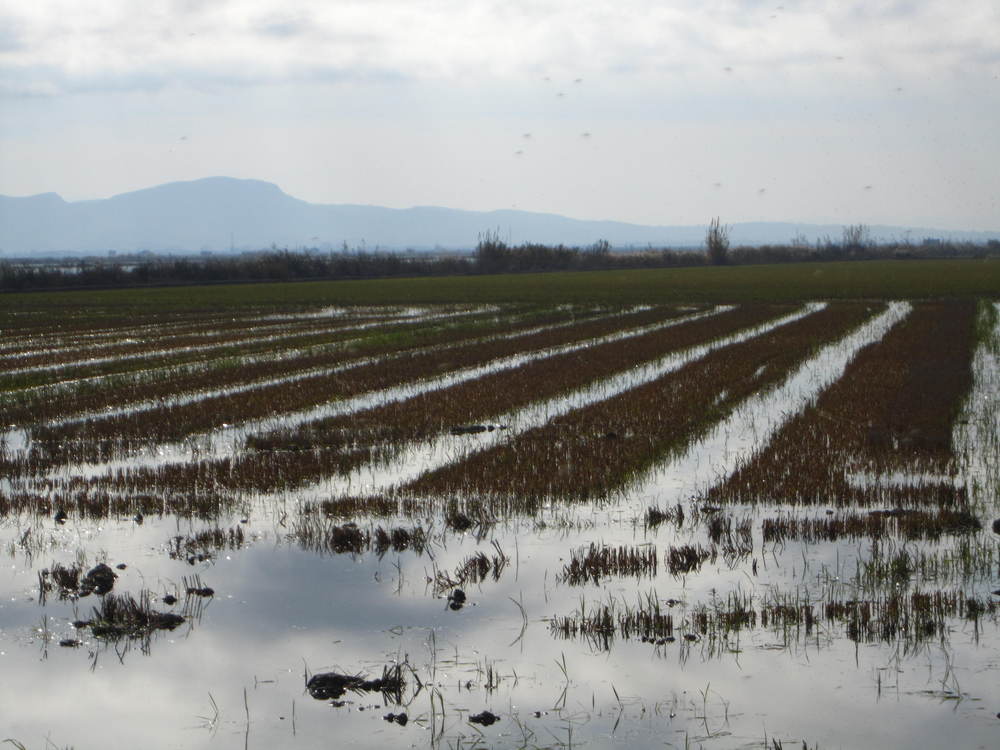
{"x": 215, "y": 212}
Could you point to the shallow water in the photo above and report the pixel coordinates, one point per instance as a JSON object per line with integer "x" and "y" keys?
{"x": 233, "y": 675}
{"x": 279, "y": 610}
{"x": 229, "y": 439}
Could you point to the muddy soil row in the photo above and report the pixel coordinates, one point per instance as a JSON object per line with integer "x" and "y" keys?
{"x": 128, "y": 345}
{"x": 894, "y": 410}
{"x": 150, "y": 355}
{"x": 82, "y": 332}
{"x": 114, "y": 437}
{"x": 30, "y": 330}
{"x": 601, "y": 449}
{"x": 173, "y": 382}
{"x": 294, "y": 458}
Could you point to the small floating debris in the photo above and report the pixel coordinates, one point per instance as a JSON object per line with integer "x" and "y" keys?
{"x": 894, "y": 512}
{"x": 658, "y": 641}
{"x": 485, "y": 718}
{"x": 475, "y": 429}
{"x": 194, "y": 587}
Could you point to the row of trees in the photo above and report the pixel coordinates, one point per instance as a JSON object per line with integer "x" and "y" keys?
{"x": 271, "y": 265}
{"x": 856, "y": 241}
{"x": 492, "y": 255}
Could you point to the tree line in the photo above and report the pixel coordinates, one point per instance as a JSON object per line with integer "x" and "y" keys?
{"x": 492, "y": 255}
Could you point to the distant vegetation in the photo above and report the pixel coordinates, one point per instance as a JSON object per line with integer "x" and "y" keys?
{"x": 787, "y": 282}
{"x": 491, "y": 256}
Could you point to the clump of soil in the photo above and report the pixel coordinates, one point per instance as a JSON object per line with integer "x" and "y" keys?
{"x": 485, "y": 718}
{"x": 99, "y": 580}
{"x": 121, "y": 616}
{"x": 347, "y": 538}
{"x": 459, "y": 521}
{"x": 332, "y": 685}
{"x": 475, "y": 429}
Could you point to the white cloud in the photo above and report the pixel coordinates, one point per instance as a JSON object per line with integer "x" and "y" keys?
{"x": 53, "y": 45}
{"x": 403, "y": 102}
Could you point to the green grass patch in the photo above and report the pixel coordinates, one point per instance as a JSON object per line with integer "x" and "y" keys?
{"x": 882, "y": 279}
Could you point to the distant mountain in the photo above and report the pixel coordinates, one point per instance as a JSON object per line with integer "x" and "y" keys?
{"x": 218, "y": 212}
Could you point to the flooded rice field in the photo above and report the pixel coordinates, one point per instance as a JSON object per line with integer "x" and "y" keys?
{"x": 730, "y": 526}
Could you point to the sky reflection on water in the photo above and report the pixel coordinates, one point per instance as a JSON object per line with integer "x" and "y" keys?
{"x": 279, "y": 609}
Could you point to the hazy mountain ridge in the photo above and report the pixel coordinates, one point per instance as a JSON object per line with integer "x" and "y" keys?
{"x": 218, "y": 212}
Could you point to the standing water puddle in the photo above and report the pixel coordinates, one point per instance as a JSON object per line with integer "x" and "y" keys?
{"x": 284, "y": 608}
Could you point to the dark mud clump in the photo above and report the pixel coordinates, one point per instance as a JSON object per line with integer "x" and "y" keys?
{"x": 347, "y": 538}
{"x": 100, "y": 580}
{"x": 332, "y": 685}
{"x": 458, "y": 521}
{"x": 475, "y": 429}
{"x": 485, "y": 718}
{"x": 194, "y": 587}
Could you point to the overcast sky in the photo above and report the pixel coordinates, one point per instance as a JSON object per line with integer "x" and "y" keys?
{"x": 651, "y": 112}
